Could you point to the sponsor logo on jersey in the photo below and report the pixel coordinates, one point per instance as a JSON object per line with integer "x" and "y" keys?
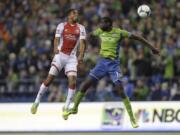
{"x": 70, "y": 37}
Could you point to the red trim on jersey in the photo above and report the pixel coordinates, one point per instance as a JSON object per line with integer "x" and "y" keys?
{"x": 45, "y": 84}
{"x": 55, "y": 67}
{"x": 70, "y": 36}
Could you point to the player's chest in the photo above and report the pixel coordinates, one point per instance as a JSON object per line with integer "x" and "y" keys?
{"x": 71, "y": 32}
{"x": 110, "y": 37}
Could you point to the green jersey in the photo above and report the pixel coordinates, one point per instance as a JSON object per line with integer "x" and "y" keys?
{"x": 110, "y": 41}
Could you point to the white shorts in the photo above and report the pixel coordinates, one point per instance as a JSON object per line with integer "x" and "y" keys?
{"x": 60, "y": 61}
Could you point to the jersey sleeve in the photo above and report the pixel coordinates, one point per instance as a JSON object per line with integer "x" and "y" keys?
{"x": 125, "y": 34}
{"x": 97, "y": 32}
{"x": 59, "y": 30}
{"x": 82, "y": 32}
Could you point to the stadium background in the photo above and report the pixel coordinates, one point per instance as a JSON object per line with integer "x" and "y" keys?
{"x": 26, "y": 42}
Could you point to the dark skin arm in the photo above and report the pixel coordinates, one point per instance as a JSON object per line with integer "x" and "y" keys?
{"x": 142, "y": 40}
{"x": 145, "y": 42}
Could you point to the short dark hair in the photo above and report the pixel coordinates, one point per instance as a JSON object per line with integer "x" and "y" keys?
{"x": 107, "y": 19}
{"x": 69, "y": 11}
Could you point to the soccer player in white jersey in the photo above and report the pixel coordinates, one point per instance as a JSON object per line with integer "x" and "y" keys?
{"x": 68, "y": 35}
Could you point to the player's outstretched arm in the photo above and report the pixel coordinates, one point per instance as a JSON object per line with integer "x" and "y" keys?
{"x": 145, "y": 42}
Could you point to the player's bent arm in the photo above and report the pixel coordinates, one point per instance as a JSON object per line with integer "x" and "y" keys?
{"x": 145, "y": 42}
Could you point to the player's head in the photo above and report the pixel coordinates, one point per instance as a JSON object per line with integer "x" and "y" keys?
{"x": 72, "y": 15}
{"x": 106, "y": 23}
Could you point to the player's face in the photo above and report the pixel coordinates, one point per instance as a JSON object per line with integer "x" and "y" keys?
{"x": 74, "y": 15}
{"x": 105, "y": 25}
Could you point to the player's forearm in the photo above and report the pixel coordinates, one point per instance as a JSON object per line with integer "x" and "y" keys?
{"x": 56, "y": 42}
{"x": 142, "y": 40}
{"x": 82, "y": 48}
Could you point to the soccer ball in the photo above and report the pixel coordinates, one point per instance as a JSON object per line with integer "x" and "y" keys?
{"x": 144, "y": 11}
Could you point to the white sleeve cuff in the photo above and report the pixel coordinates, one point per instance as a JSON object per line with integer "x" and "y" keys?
{"x": 57, "y": 35}
{"x": 83, "y": 37}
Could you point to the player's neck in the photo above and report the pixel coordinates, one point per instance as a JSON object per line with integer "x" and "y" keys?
{"x": 109, "y": 29}
{"x": 71, "y": 22}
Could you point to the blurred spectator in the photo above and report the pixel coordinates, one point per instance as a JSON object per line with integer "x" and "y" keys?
{"x": 165, "y": 92}
{"x": 12, "y": 81}
{"x": 56, "y": 94}
{"x": 176, "y": 97}
{"x": 101, "y": 90}
{"x": 169, "y": 67}
{"x": 155, "y": 94}
{"x": 104, "y": 91}
{"x": 141, "y": 91}
{"x": 128, "y": 88}
{"x": 142, "y": 64}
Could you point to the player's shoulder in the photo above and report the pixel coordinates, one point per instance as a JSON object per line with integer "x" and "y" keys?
{"x": 119, "y": 30}
{"x": 61, "y": 24}
{"x": 99, "y": 30}
{"x": 80, "y": 25}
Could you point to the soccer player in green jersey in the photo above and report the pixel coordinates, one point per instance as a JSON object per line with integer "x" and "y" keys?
{"x": 109, "y": 63}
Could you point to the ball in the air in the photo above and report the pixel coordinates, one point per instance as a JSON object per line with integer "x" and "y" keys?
{"x": 144, "y": 11}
